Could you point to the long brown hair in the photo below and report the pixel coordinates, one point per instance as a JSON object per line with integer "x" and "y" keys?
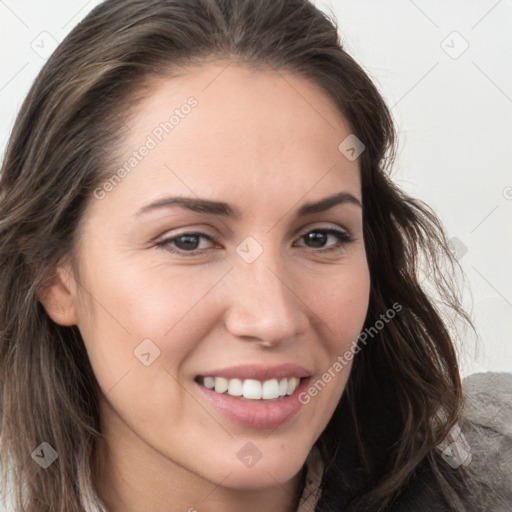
{"x": 404, "y": 392}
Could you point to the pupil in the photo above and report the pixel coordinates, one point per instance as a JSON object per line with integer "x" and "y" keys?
{"x": 317, "y": 238}
{"x": 191, "y": 242}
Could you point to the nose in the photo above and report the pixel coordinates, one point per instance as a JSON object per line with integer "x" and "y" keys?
{"x": 263, "y": 305}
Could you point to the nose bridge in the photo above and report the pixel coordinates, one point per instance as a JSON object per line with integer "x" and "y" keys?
{"x": 263, "y": 304}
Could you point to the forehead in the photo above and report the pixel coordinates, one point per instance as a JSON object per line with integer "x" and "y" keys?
{"x": 224, "y": 126}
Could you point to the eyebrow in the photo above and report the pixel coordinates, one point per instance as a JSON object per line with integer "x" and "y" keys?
{"x": 220, "y": 208}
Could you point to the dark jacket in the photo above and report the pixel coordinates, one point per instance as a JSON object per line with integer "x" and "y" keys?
{"x": 483, "y": 446}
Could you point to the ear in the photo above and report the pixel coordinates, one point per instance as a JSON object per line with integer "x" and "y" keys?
{"x": 58, "y": 297}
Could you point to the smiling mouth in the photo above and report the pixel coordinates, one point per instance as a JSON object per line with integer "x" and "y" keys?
{"x": 251, "y": 389}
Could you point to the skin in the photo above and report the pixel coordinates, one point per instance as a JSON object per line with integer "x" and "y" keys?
{"x": 265, "y": 143}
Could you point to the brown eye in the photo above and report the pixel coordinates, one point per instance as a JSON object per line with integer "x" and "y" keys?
{"x": 317, "y": 238}
{"x": 186, "y": 243}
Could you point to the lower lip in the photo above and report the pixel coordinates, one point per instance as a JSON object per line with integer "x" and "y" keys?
{"x": 261, "y": 414}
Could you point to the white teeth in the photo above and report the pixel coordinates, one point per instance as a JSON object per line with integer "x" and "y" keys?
{"x": 251, "y": 388}
{"x": 283, "y": 386}
{"x": 235, "y": 387}
{"x": 221, "y": 384}
{"x": 270, "y": 389}
{"x": 209, "y": 382}
{"x": 293, "y": 383}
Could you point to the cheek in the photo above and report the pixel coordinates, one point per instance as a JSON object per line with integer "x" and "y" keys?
{"x": 340, "y": 305}
{"x": 128, "y": 304}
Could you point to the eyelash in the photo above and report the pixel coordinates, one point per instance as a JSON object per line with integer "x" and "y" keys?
{"x": 344, "y": 238}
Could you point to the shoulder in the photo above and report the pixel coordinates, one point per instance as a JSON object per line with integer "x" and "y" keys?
{"x": 487, "y": 429}
{"x": 475, "y": 459}
{"x": 489, "y": 400}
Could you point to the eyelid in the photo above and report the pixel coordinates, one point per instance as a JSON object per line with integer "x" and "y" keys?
{"x": 187, "y": 230}
{"x": 310, "y": 228}
{"x": 200, "y": 234}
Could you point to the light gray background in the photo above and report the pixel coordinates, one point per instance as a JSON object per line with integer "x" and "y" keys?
{"x": 444, "y": 68}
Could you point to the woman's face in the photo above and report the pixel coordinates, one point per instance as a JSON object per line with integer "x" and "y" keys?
{"x": 223, "y": 288}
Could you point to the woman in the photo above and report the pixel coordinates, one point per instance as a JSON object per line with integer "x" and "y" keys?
{"x": 209, "y": 295}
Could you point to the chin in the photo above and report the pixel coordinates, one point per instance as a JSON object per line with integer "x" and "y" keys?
{"x": 252, "y": 469}
{"x": 261, "y": 475}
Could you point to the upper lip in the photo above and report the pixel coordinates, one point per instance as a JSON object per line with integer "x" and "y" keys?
{"x": 261, "y": 373}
